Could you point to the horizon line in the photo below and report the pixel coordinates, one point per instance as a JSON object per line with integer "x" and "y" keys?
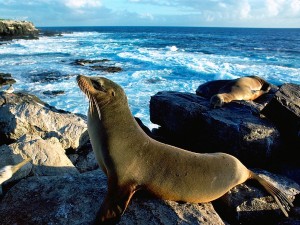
{"x": 170, "y": 26}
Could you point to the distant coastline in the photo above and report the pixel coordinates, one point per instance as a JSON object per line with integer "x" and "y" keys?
{"x": 10, "y": 29}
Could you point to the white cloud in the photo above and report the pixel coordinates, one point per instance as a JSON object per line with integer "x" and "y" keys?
{"x": 295, "y": 6}
{"x": 274, "y": 6}
{"x": 245, "y": 10}
{"x": 78, "y": 4}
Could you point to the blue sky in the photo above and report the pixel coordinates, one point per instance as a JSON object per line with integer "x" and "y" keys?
{"x": 208, "y": 13}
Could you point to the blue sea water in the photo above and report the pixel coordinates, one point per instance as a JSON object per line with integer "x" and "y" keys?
{"x": 152, "y": 58}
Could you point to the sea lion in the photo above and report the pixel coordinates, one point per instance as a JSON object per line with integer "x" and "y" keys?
{"x": 134, "y": 161}
{"x": 243, "y": 88}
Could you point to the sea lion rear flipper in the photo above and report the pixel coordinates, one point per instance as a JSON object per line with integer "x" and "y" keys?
{"x": 283, "y": 202}
{"x": 114, "y": 205}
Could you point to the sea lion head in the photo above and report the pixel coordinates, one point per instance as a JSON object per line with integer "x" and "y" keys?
{"x": 216, "y": 101}
{"x": 101, "y": 91}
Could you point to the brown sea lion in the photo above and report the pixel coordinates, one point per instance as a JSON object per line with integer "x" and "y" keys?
{"x": 134, "y": 161}
{"x": 243, "y": 88}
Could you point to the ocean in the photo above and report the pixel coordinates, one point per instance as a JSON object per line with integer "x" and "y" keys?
{"x": 152, "y": 59}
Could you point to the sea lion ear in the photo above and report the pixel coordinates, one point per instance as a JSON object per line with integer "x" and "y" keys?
{"x": 112, "y": 92}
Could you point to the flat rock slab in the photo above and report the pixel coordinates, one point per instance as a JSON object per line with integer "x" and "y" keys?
{"x": 75, "y": 200}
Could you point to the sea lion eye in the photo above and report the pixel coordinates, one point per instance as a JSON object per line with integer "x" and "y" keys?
{"x": 97, "y": 85}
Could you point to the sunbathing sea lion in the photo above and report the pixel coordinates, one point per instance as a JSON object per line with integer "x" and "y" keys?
{"x": 134, "y": 161}
{"x": 244, "y": 88}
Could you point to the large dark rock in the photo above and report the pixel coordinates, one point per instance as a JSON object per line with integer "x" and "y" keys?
{"x": 6, "y": 79}
{"x": 284, "y": 111}
{"x": 46, "y": 76}
{"x": 187, "y": 121}
{"x": 103, "y": 65}
{"x": 17, "y": 29}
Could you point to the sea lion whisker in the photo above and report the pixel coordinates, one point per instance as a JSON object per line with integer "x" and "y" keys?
{"x": 97, "y": 107}
{"x": 91, "y": 107}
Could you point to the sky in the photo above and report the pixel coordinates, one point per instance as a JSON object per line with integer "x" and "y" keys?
{"x": 194, "y": 13}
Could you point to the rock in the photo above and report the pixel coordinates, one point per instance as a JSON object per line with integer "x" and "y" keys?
{"x": 83, "y": 62}
{"x": 17, "y": 29}
{"x": 249, "y": 204}
{"x": 5, "y": 79}
{"x": 109, "y": 69}
{"x": 54, "y": 93}
{"x": 48, "y": 156}
{"x": 23, "y": 113}
{"x": 47, "y": 76}
{"x": 187, "y": 121}
{"x": 97, "y": 64}
{"x": 50, "y": 33}
{"x": 84, "y": 159}
{"x": 76, "y": 200}
{"x": 290, "y": 169}
{"x": 9, "y": 157}
{"x": 284, "y": 111}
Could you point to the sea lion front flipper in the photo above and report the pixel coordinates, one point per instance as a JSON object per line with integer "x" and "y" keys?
{"x": 114, "y": 205}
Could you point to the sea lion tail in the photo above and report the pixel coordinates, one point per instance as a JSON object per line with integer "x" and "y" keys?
{"x": 283, "y": 202}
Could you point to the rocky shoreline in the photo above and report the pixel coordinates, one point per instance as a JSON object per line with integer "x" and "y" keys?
{"x": 63, "y": 184}
{"x": 10, "y": 29}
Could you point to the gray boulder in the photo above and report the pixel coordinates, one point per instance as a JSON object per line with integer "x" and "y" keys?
{"x": 23, "y": 113}
{"x": 9, "y": 157}
{"x": 48, "y": 156}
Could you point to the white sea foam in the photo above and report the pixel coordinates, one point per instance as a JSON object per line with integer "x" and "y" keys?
{"x": 146, "y": 69}
{"x": 173, "y": 48}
